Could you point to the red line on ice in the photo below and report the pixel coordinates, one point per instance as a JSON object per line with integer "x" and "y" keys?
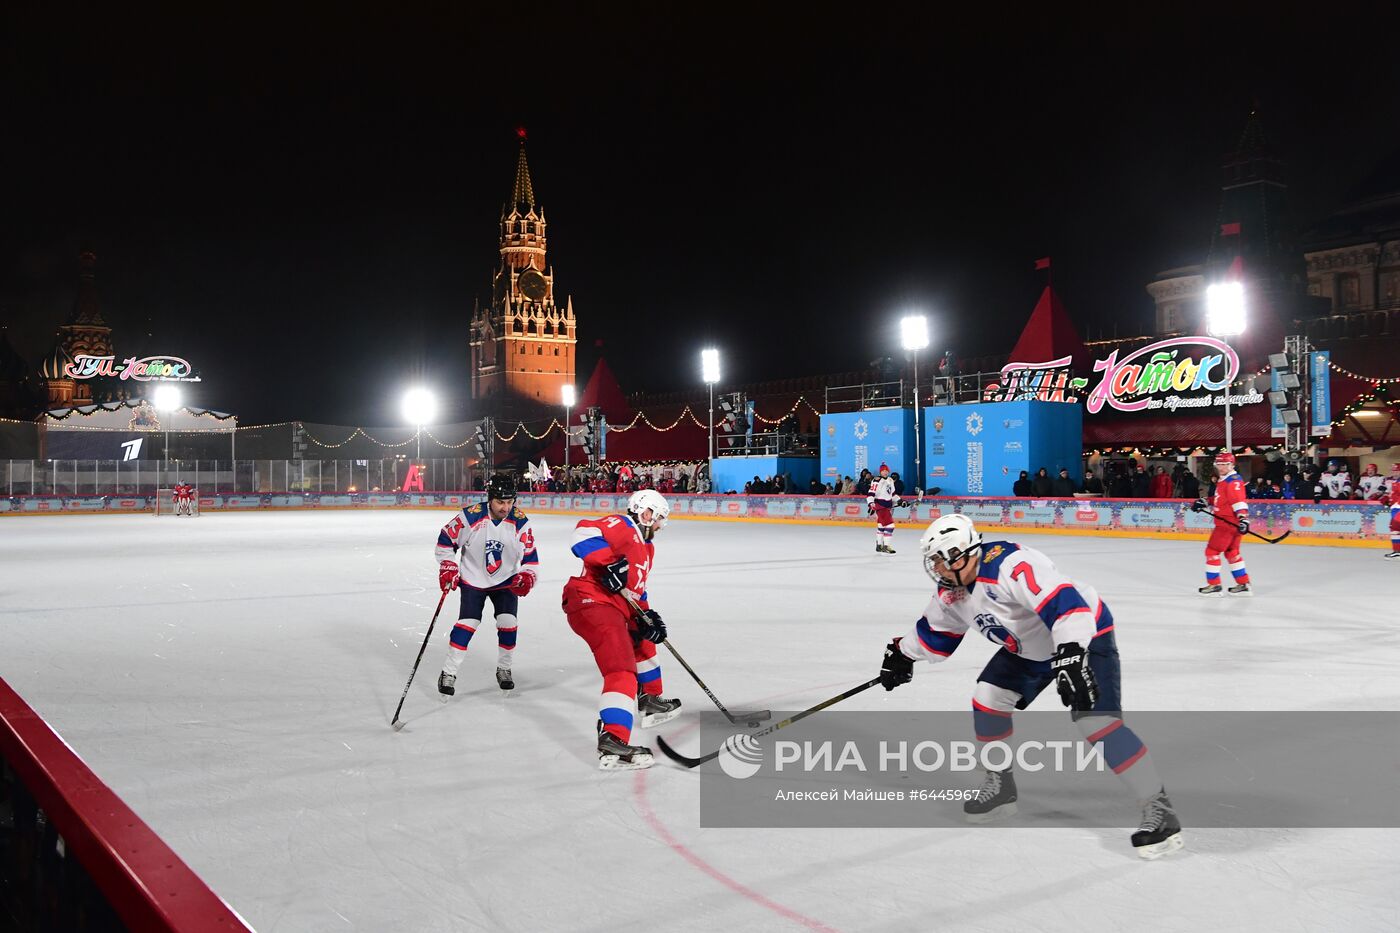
{"x": 639, "y": 789}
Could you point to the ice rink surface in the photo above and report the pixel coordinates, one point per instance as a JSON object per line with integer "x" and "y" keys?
{"x": 232, "y": 678}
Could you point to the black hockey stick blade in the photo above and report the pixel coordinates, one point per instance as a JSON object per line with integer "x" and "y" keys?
{"x": 683, "y": 760}
{"x": 688, "y": 762}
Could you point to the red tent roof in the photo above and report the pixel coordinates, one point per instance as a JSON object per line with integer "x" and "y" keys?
{"x": 602, "y": 390}
{"x": 1049, "y": 335}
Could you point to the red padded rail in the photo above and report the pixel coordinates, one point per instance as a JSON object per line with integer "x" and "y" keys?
{"x": 146, "y": 883}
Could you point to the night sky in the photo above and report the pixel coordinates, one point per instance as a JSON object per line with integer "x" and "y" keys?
{"x": 306, "y": 206}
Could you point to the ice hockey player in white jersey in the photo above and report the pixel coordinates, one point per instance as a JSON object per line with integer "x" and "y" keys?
{"x": 1052, "y": 630}
{"x": 1371, "y": 486}
{"x": 497, "y": 562}
{"x": 881, "y": 503}
{"x": 1336, "y": 481}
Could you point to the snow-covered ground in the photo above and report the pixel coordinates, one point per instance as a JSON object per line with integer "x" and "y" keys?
{"x": 232, "y": 678}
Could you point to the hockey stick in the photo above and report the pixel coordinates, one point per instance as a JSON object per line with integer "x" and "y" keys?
{"x": 688, "y": 762}
{"x": 1235, "y": 524}
{"x": 395, "y": 721}
{"x": 753, "y": 718}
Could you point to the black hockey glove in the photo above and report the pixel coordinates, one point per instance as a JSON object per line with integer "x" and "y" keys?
{"x": 897, "y": 668}
{"x": 1200, "y": 505}
{"x": 1243, "y": 526}
{"x": 1073, "y": 678}
{"x": 614, "y": 578}
{"x": 650, "y": 626}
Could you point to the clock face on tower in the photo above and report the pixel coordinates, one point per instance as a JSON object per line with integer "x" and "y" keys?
{"x": 532, "y": 285}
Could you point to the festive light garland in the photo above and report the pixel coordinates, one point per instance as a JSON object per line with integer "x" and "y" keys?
{"x": 1375, "y": 380}
{"x": 1378, "y": 393}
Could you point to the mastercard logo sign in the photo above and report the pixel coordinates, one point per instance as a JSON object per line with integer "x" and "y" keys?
{"x": 1304, "y": 521}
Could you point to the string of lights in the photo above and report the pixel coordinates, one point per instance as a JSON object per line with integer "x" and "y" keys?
{"x": 1375, "y": 380}
{"x": 1378, "y": 393}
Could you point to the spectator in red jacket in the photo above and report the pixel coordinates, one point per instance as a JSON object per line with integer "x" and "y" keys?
{"x": 1161, "y": 484}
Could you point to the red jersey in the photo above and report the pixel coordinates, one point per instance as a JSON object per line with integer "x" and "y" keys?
{"x": 599, "y": 542}
{"x": 1230, "y": 498}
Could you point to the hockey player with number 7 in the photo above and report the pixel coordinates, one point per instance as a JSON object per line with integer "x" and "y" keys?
{"x": 1051, "y": 630}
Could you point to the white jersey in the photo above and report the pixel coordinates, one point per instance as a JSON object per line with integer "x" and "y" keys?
{"x": 1337, "y": 485}
{"x": 1020, "y": 601}
{"x": 492, "y": 552}
{"x": 1372, "y": 486}
{"x": 882, "y": 493}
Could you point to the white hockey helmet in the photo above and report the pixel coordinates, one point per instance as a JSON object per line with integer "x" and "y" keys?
{"x": 953, "y": 538}
{"x": 640, "y": 502}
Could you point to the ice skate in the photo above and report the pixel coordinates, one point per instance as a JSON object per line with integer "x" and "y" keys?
{"x": 1241, "y": 589}
{"x": 1393, "y": 555}
{"x": 1159, "y": 833}
{"x": 888, "y": 549}
{"x": 616, "y": 755}
{"x": 995, "y": 799}
{"x": 1214, "y": 591}
{"x": 656, "y": 710}
{"x": 879, "y": 549}
{"x": 504, "y": 678}
{"x": 447, "y": 684}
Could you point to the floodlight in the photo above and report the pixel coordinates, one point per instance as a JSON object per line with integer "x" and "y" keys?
{"x": 709, "y": 366}
{"x": 1225, "y": 309}
{"x": 913, "y": 332}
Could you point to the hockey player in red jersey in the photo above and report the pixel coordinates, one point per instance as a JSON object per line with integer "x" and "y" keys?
{"x": 184, "y": 498}
{"x": 1394, "y": 499}
{"x": 1230, "y": 503}
{"x": 618, "y": 553}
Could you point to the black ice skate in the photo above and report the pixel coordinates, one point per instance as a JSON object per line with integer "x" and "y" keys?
{"x": 1393, "y": 555}
{"x": 1241, "y": 589}
{"x": 879, "y": 549}
{"x": 504, "y": 678}
{"x": 1160, "y": 830}
{"x": 616, "y": 755}
{"x": 447, "y": 684}
{"x": 888, "y": 549}
{"x": 996, "y": 798}
{"x": 656, "y": 710}
{"x": 1213, "y": 590}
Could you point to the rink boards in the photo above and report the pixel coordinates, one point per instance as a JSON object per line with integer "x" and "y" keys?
{"x": 1334, "y": 523}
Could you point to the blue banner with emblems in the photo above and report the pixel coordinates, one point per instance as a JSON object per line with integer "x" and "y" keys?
{"x": 862, "y": 440}
{"x": 981, "y": 449}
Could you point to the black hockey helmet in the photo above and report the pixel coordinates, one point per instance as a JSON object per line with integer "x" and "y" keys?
{"x": 500, "y": 486}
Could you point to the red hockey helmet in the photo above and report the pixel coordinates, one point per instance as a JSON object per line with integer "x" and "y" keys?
{"x": 1225, "y": 457}
{"x": 884, "y": 468}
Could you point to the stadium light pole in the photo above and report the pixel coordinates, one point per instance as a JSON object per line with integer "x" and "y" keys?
{"x": 709, "y": 372}
{"x": 1225, "y": 317}
{"x": 167, "y": 400}
{"x": 569, "y": 399}
{"x": 419, "y": 407}
{"x": 913, "y": 336}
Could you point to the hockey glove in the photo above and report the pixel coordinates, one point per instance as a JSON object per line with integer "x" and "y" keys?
{"x": 1200, "y": 505}
{"x": 1073, "y": 678}
{"x": 448, "y": 575}
{"x": 521, "y": 584}
{"x": 650, "y": 626}
{"x": 897, "y": 669}
{"x": 615, "y": 576}
{"x": 1243, "y": 526}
